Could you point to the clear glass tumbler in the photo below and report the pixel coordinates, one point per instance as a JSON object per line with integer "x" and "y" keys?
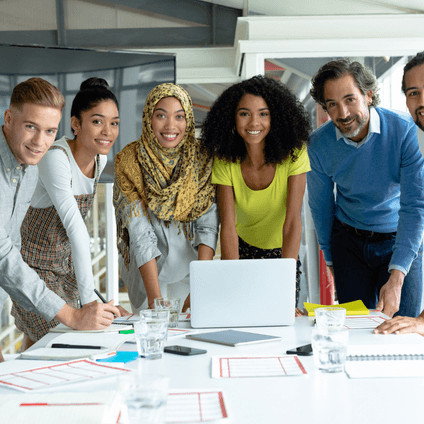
{"x": 330, "y": 348}
{"x": 173, "y": 304}
{"x": 151, "y": 332}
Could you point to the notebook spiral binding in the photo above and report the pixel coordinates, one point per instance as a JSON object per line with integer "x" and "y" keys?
{"x": 384, "y": 357}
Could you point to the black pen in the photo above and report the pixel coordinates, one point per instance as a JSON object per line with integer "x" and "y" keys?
{"x": 100, "y": 296}
{"x": 68, "y": 346}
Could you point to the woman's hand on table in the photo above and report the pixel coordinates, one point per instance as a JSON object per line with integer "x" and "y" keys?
{"x": 298, "y": 313}
{"x": 124, "y": 312}
{"x": 186, "y": 304}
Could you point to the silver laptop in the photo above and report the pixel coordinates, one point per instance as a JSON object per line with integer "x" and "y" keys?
{"x": 242, "y": 293}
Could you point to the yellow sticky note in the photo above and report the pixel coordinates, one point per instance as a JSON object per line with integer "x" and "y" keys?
{"x": 352, "y": 308}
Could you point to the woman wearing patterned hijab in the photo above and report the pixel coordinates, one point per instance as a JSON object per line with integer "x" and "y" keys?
{"x": 165, "y": 204}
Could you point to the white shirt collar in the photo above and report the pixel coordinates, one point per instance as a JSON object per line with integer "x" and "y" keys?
{"x": 374, "y": 127}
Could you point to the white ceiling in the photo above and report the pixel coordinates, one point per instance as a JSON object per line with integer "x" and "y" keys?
{"x": 323, "y": 7}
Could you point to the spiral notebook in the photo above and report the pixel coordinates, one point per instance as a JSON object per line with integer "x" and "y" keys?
{"x": 385, "y": 361}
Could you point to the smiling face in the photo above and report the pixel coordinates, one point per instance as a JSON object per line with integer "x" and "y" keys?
{"x": 169, "y": 122}
{"x": 31, "y": 131}
{"x": 253, "y": 119}
{"x": 348, "y": 107}
{"x": 414, "y": 90}
{"x": 98, "y": 128}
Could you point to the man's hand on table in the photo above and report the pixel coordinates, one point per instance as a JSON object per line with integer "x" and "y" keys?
{"x": 402, "y": 325}
{"x": 390, "y": 294}
{"x": 330, "y": 275}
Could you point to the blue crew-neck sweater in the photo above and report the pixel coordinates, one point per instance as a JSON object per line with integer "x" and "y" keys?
{"x": 378, "y": 186}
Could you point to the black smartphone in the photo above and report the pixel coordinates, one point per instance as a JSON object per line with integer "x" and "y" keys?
{"x": 305, "y": 350}
{"x": 183, "y": 350}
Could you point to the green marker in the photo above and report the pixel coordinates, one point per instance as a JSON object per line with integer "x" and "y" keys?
{"x": 126, "y": 332}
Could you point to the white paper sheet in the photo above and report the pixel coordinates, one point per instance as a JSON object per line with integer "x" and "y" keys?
{"x": 130, "y": 319}
{"x": 59, "y": 374}
{"x": 194, "y": 406}
{"x": 172, "y": 332}
{"x": 256, "y": 366}
{"x": 63, "y": 407}
{"x": 184, "y": 317}
{"x": 363, "y": 321}
{"x": 108, "y": 342}
{"x": 62, "y": 328}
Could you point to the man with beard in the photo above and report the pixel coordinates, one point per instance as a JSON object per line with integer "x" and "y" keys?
{"x": 413, "y": 87}
{"x": 366, "y": 192}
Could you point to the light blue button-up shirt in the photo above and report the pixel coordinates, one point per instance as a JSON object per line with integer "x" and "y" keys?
{"x": 17, "y": 279}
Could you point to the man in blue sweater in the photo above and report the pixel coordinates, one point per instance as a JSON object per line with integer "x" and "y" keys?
{"x": 366, "y": 192}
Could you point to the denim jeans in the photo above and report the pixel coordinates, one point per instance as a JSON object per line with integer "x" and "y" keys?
{"x": 361, "y": 269}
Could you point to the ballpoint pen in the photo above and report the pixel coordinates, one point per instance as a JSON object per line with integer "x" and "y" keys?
{"x": 69, "y": 346}
{"x": 100, "y": 296}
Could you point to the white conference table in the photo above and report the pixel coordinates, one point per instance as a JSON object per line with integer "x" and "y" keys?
{"x": 315, "y": 398}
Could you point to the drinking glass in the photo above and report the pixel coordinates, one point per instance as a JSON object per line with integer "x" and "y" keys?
{"x": 329, "y": 347}
{"x": 151, "y": 332}
{"x": 143, "y": 397}
{"x": 330, "y": 318}
{"x": 173, "y": 305}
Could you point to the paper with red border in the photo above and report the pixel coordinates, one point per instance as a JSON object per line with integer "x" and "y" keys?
{"x": 59, "y": 374}
{"x": 64, "y": 407}
{"x": 360, "y": 322}
{"x": 194, "y": 406}
{"x": 257, "y": 366}
{"x": 172, "y": 332}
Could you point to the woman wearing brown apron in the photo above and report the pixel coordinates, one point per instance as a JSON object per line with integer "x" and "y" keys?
{"x": 55, "y": 240}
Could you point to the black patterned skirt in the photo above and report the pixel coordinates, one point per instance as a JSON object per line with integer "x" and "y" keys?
{"x": 247, "y": 251}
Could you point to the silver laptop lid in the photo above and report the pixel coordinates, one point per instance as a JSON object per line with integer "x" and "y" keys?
{"x": 242, "y": 293}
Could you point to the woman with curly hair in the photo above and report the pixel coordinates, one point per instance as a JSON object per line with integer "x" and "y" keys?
{"x": 258, "y": 131}
{"x": 164, "y": 201}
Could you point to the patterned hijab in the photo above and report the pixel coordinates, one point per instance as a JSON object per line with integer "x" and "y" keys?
{"x": 174, "y": 183}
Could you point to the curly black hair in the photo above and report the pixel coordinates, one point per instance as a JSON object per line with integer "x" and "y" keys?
{"x": 290, "y": 126}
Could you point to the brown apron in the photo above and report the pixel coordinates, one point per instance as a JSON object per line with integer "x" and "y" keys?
{"x": 47, "y": 250}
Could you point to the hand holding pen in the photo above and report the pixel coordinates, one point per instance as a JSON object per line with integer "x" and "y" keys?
{"x": 123, "y": 312}
{"x": 100, "y": 296}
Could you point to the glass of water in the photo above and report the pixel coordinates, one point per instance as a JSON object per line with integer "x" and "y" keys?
{"x": 173, "y": 305}
{"x": 151, "y": 332}
{"x": 329, "y": 347}
{"x": 143, "y": 398}
{"x": 330, "y": 318}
